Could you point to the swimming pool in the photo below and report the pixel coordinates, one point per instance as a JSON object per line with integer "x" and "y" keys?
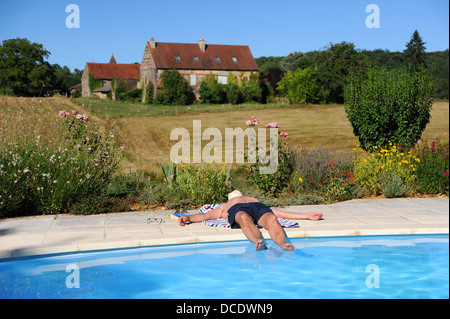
{"x": 412, "y": 266}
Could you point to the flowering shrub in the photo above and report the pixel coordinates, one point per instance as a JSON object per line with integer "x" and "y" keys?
{"x": 432, "y": 170}
{"x": 272, "y": 184}
{"x": 386, "y": 164}
{"x": 47, "y": 166}
{"x": 323, "y": 172}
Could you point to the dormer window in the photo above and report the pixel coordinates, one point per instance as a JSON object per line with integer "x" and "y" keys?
{"x": 234, "y": 59}
{"x": 217, "y": 59}
{"x": 195, "y": 58}
{"x": 177, "y": 57}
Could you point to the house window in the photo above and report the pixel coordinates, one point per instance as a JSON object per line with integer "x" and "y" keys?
{"x": 234, "y": 59}
{"x": 195, "y": 58}
{"x": 217, "y": 59}
{"x": 222, "y": 79}
{"x": 193, "y": 79}
{"x": 177, "y": 57}
{"x": 245, "y": 78}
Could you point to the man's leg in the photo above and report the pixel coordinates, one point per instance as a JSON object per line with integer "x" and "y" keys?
{"x": 269, "y": 221}
{"x": 250, "y": 230}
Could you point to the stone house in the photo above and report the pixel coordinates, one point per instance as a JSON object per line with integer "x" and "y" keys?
{"x": 195, "y": 61}
{"x": 103, "y": 74}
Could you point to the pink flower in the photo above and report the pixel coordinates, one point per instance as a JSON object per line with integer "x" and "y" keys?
{"x": 273, "y": 124}
{"x": 446, "y": 174}
{"x": 253, "y": 122}
{"x": 74, "y": 112}
{"x": 63, "y": 113}
{"x": 79, "y": 116}
{"x": 85, "y": 117}
{"x": 284, "y": 134}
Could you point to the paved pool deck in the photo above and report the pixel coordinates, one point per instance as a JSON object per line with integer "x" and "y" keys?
{"x": 50, "y": 234}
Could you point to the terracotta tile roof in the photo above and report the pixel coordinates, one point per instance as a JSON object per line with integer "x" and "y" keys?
{"x": 232, "y": 57}
{"x": 111, "y": 70}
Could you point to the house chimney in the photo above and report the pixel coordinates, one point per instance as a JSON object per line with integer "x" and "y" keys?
{"x": 202, "y": 44}
{"x": 152, "y": 43}
{"x": 112, "y": 60}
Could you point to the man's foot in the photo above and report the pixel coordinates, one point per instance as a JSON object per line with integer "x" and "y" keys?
{"x": 288, "y": 246}
{"x": 260, "y": 245}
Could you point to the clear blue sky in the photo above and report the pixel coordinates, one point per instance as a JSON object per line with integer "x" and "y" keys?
{"x": 269, "y": 27}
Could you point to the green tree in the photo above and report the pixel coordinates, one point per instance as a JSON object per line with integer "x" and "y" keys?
{"x": 175, "y": 89}
{"x": 23, "y": 68}
{"x": 300, "y": 86}
{"x": 389, "y": 105}
{"x": 65, "y": 79}
{"x": 415, "y": 51}
{"x": 296, "y": 60}
{"x": 334, "y": 64}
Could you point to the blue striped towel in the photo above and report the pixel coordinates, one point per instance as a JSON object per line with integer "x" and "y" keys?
{"x": 223, "y": 222}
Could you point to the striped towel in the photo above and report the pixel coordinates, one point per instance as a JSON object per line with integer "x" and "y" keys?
{"x": 223, "y": 222}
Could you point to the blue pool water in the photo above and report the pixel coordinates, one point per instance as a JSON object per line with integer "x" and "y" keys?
{"x": 415, "y": 266}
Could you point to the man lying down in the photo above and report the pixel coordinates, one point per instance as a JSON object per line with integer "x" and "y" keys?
{"x": 247, "y": 212}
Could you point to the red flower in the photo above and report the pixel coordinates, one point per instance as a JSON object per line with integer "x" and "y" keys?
{"x": 332, "y": 163}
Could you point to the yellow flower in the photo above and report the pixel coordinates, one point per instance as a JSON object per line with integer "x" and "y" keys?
{"x": 365, "y": 161}
{"x": 300, "y": 179}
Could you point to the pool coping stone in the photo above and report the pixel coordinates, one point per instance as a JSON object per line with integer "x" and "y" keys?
{"x": 55, "y": 234}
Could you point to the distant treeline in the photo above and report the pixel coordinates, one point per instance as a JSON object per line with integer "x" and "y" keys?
{"x": 330, "y": 62}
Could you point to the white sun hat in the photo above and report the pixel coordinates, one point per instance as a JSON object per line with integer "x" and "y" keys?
{"x": 234, "y": 194}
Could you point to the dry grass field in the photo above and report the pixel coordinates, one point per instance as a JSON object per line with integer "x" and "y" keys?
{"x": 147, "y": 138}
{"x": 148, "y": 144}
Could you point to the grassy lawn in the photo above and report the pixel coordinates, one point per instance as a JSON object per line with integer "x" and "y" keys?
{"x": 115, "y": 109}
{"x": 146, "y": 128}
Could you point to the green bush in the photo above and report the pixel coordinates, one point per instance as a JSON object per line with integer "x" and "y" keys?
{"x": 174, "y": 90}
{"x": 389, "y": 105}
{"x": 190, "y": 185}
{"x": 212, "y": 92}
{"x": 134, "y": 95}
{"x": 126, "y": 185}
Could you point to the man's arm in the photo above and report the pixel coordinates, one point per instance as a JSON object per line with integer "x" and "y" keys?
{"x": 198, "y": 218}
{"x": 290, "y": 215}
